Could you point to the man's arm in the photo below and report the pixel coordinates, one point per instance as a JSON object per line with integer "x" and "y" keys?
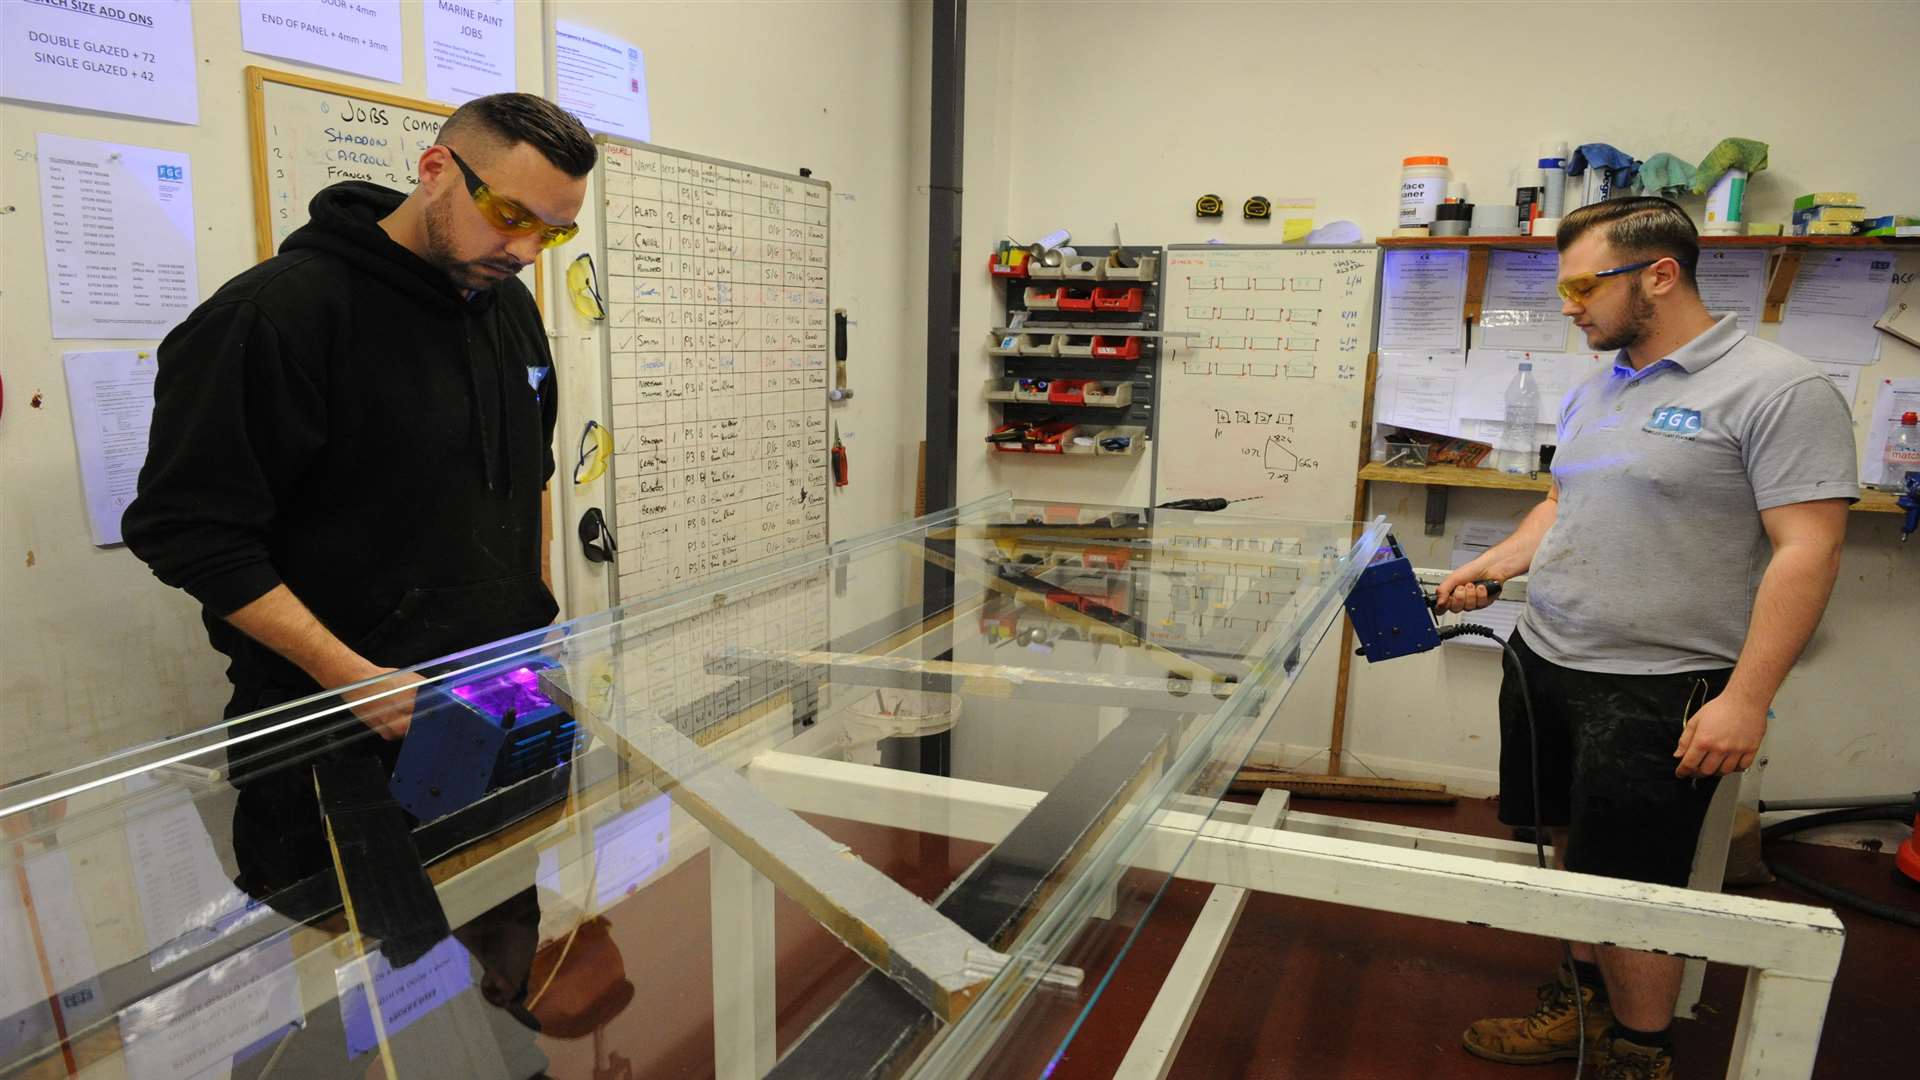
{"x": 1725, "y": 734}
{"x": 1509, "y": 558}
{"x": 282, "y": 623}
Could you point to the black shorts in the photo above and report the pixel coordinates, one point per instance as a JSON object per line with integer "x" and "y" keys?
{"x": 1606, "y": 764}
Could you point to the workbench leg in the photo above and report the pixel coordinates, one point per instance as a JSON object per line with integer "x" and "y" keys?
{"x": 1779, "y": 1029}
{"x": 1157, "y": 1040}
{"x": 743, "y": 1003}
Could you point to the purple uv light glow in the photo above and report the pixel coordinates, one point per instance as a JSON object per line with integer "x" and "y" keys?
{"x": 492, "y": 696}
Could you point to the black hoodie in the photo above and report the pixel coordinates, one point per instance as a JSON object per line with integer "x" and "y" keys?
{"x": 342, "y": 419}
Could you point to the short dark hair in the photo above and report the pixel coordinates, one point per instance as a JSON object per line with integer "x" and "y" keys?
{"x": 506, "y": 119}
{"x": 1640, "y": 227}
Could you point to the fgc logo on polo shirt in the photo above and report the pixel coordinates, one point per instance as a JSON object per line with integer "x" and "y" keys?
{"x": 1674, "y": 420}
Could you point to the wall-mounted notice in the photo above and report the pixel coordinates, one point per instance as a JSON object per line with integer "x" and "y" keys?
{"x": 1522, "y": 308}
{"x": 111, "y": 394}
{"x": 360, "y": 36}
{"x": 118, "y": 226}
{"x": 129, "y": 57}
{"x": 1835, "y": 299}
{"x": 469, "y": 47}
{"x": 602, "y": 80}
{"x": 1422, "y": 297}
{"x": 1734, "y": 282}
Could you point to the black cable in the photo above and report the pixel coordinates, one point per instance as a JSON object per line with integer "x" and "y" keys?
{"x": 1539, "y": 846}
{"x": 1903, "y": 916}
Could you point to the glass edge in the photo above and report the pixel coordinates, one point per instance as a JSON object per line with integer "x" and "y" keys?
{"x": 28, "y": 793}
{"x": 962, "y": 1045}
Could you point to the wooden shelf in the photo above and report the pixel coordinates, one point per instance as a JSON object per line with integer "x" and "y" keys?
{"x": 1705, "y": 242}
{"x": 1872, "y": 502}
{"x": 1452, "y": 476}
{"x": 1878, "y": 502}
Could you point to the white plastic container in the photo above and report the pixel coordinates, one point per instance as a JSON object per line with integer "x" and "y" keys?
{"x": 1553, "y": 162}
{"x": 1423, "y": 186}
{"x": 1727, "y": 197}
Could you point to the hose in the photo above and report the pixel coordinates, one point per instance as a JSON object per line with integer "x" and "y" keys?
{"x": 1903, "y": 916}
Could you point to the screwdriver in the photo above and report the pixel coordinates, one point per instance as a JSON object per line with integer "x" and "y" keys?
{"x": 1215, "y": 503}
{"x": 840, "y": 476}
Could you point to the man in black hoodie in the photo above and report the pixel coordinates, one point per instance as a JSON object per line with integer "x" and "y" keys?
{"x": 348, "y": 448}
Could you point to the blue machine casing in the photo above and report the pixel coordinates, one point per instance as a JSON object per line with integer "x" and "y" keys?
{"x": 1389, "y": 610}
{"x": 485, "y": 732}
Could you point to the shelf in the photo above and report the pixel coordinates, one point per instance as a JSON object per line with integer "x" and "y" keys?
{"x": 1873, "y": 502}
{"x": 1453, "y": 476}
{"x": 1103, "y": 330}
{"x": 1705, "y": 241}
{"x": 1878, "y": 502}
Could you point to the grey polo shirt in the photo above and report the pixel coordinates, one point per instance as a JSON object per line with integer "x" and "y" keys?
{"x": 1657, "y": 547}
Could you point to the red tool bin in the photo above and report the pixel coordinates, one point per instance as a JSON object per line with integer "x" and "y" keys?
{"x": 1107, "y": 348}
{"x": 1119, "y": 299}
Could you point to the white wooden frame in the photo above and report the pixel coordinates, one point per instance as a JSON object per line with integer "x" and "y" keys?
{"x": 1792, "y": 951}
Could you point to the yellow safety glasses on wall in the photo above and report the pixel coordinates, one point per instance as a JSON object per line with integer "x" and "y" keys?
{"x": 1580, "y": 286}
{"x": 585, "y": 289}
{"x": 509, "y": 216}
{"x": 596, "y": 448}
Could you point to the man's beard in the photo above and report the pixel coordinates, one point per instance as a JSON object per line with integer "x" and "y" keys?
{"x": 1634, "y": 325}
{"x": 467, "y": 274}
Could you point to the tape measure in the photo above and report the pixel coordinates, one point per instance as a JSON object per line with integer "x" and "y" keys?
{"x": 1208, "y": 206}
{"x": 1258, "y": 208}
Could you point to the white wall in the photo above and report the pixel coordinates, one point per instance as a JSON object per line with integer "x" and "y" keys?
{"x": 96, "y": 655}
{"x": 1127, "y": 112}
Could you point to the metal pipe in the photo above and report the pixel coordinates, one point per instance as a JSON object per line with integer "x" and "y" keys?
{"x": 1842, "y": 802}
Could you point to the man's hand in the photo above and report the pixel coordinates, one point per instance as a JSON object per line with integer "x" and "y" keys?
{"x": 1722, "y": 737}
{"x": 1459, "y": 593}
{"x": 385, "y": 706}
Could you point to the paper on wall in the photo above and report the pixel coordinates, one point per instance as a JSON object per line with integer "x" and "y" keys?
{"x": 1416, "y": 390}
{"x": 1521, "y": 309}
{"x": 1835, "y": 300}
{"x": 362, "y": 37}
{"x": 1845, "y": 378}
{"x": 110, "y": 395}
{"x": 1483, "y": 386}
{"x": 1895, "y": 396}
{"x": 63, "y": 933}
{"x": 602, "y": 80}
{"x": 132, "y": 57}
{"x": 117, "y": 222}
{"x": 1734, "y": 282}
{"x": 1422, "y": 296}
{"x": 469, "y": 47}
{"x": 182, "y": 889}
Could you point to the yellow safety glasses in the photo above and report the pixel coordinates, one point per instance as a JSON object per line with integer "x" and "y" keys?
{"x": 596, "y": 448}
{"x": 585, "y": 290}
{"x": 1577, "y": 288}
{"x": 509, "y": 216}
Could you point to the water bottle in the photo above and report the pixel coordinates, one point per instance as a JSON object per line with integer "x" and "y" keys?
{"x": 1517, "y": 447}
{"x": 1903, "y": 453}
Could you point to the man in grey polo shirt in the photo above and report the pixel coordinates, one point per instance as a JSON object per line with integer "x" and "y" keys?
{"x": 1678, "y": 565}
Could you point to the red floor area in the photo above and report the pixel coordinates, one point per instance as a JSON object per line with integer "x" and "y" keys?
{"x": 1305, "y": 989}
{"x": 1319, "y": 990}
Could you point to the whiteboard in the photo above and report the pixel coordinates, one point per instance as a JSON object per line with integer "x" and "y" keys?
{"x": 308, "y": 134}
{"x": 1266, "y": 400}
{"x": 716, "y": 285}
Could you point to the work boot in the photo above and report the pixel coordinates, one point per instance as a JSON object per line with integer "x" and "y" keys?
{"x": 1619, "y": 1059}
{"x": 1550, "y": 1032}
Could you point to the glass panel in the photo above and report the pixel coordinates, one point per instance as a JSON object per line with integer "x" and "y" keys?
{"x": 903, "y": 802}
